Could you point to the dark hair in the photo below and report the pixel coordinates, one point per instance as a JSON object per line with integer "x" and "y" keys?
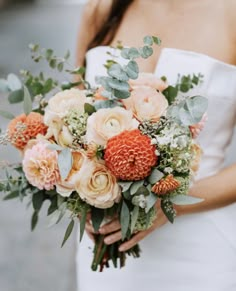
{"x": 107, "y": 32}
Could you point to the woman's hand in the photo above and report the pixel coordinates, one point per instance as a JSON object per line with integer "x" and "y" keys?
{"x": 112, "y": 230}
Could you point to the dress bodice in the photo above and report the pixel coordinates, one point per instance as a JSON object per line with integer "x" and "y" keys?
{"x": 219, "y": 86}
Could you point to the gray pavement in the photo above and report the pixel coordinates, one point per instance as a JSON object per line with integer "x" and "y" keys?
{"x": 35, "y": 261}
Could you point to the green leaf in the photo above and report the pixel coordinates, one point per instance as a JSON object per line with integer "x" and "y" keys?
{"x": 53, "y": 206}
{"x": 37, "y": 200}
{"x": 156, "y": 40}
{"x": 53, "y": 63}
{"x": 34, "y": 220}
{"x": 135, "y": 186}
{"x": 49, "y": 54}
{"x": 60, "y": 66}
{"x": 83, "y": 222}
{"x": 125, "y": 53}
{"x": 27, "y": 101}
{"x": 16, "y": 96}
{"x": 97, "y": 217}
{"x": 155, "y": 176}
{"x": 14, "y": 82}
{"x": 132, "y": 70}
{"x": 142, "y": 191}
{"x": 146, "y": 52}
{"x": 134, "y": 218}
{"x": 150, "y": 200}
{"x": 121, "y": 94}
{"x": 48, "y": 86}
{"x": 4, "y": 86}
{"x": 185, "y": 200}
{"x": 133, "y": 53}
{"x": 65, "y": 162}
{"x": 116, "y": 71}
{"x": 6, "y": 114}
{"x": 148, "y": 40}
{"x": 168, "y": 209}
{"x": 34, "y": 47}
{"x": 12, "y": 195}
{"x": 67, "y": 55}
{"x": 68, "y": 232}
{"x": 88, "y": 108}
{"x": 170, "y": 93}
{"x": 125, "y": 185}
{"x": 124, "y": 219}
{"x": 118, "y": 85}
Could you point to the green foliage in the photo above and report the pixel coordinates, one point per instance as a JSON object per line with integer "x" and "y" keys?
{"x": 16, "y": 96}
{"x": 135, "y": 186}
{"x": 124, "y": 219}
{"x": 185, "y": 200}
{"x": 97, "y": 216}
{"x": 155, "y": 176}
{"x": 168, "y": 209}
{"x": 134, "y": 218}
{"x": 88, "y": 108}
{"x": 68, "y": 232}
{"x": 6, "y": 114}
{"x": 27, "y": 101}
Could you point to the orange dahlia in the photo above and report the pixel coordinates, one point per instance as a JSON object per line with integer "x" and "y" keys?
{"x": 25, "y": 127}
{"x": 130, "y": 155}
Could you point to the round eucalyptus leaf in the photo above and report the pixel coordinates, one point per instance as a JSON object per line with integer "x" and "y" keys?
{"x": 14, "y": 82}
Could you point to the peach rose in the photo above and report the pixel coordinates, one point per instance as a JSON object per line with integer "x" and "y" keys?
{"x": 146, "y": 103}
{"x": 108, "y": 122}
{"x": 67, "y": 186}
{"x": 97, "y": 186}
{"x": 60, "y": 104}
{"x": 150, "y": 80}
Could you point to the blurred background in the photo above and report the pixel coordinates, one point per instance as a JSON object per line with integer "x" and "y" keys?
{"x": 35, "y": 261}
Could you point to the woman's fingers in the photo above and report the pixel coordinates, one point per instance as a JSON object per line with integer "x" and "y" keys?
{"x": 112, "y": 226}
{"x": 112, "y": 238}
{"x": 133, "y": 241}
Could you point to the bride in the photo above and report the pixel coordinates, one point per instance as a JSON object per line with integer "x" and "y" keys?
{"x": 198, "y": 36}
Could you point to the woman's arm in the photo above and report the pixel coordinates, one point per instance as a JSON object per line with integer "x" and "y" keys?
{"x": 217, "y": 191}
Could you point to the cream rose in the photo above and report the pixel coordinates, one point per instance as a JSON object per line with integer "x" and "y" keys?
{"x": 97, "y": 186}
{"x": 60, "y": 104}
{"x": 108, "y": 122}
{"x": 150, "y": 80}
{"x": 67, "y": 186}
{"x": 146, "y": 103}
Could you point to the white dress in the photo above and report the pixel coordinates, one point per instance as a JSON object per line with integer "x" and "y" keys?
{"x": 197, "y": 252}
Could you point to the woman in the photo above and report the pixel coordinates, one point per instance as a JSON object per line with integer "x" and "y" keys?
{"x": 199, "y": 251}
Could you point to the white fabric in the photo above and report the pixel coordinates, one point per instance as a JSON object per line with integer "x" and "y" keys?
{"x": 198, "y": 252}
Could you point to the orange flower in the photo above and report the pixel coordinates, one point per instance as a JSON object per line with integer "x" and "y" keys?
{"x": 23, "y": 128}
{"x": 166, "y": 185}
{"x": 130, "y": 155}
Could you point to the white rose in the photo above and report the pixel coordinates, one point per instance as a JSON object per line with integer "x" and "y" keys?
{"x": 108, "y": 122}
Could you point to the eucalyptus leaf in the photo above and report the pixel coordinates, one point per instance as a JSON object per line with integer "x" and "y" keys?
{"x": 124, "y": 219}
{"x": 105, "y": 104}
{"x": 60, "y": 66}
{"x": 132, "y": 70}
{"x": 65, "y": 161}
{"x": 116, "y": 71}
{"x": 53, "y": 206}
{"x": 68, "y": 232}
{"x": 6, "y": 114}
{"x": 67, "y": 55}
{"x": 14, "y": 82}
{"x": 135, "y": 186}
{"x": 125, "y": 185}
{"x": 150, "y": 200}
{"x": 155, "y": 176}
{"x": 142, "y": 191}
{"x": 170, "y": 93}
{"x": 134, "y": 218}
{"x": 133, "y": 53}
{"x": 185, "y": 200}
{"x": 146, "y": 52}
{"x": 27, "y": 101}
{"x": 148, "y": 40}
{"x": 12, "y": 195}
{"x": 125, "y": 53}
{"x": 49, "y": 54}
{"x": 121, "y": 94}
{"x": 118, "y": 85}
{"x": 156, "y": 40}
{"x": 53, "y": 63}
{"x": 16, "y": 96}
{"x": 107, "y": 94}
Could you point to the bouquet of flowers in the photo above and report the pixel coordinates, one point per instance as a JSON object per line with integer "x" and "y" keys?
{"x": 112, "y": 151}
